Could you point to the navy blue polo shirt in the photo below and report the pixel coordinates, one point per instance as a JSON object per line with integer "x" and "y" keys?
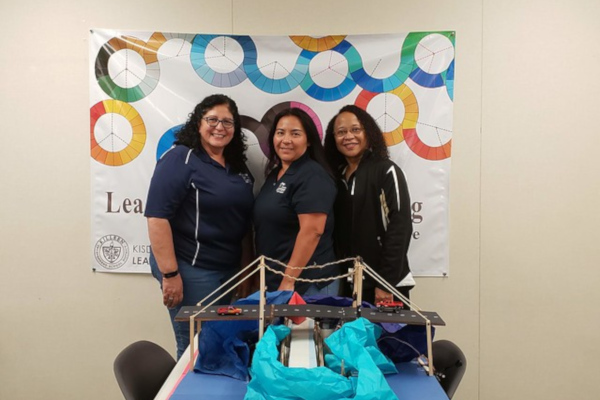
{"x": 305, "y": 188}
{"x": 208, "y": 206}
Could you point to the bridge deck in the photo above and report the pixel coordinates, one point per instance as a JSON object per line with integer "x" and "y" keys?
{"x": 250, "y": 311}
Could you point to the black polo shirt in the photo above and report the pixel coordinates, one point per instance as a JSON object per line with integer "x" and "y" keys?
{"x": 305, "y": 188}
{"x": 208, "y": 206}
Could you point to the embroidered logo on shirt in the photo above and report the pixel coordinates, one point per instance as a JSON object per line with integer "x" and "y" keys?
{"x": 281, "y": 188}
{"x": 246, "y": 178}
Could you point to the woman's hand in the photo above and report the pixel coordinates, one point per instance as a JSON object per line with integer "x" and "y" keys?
{"x": 172, "y": 291}
{"x": 381, "y": 295}
{"x": 161, "y": 240}
{"x": 286, "y": 284}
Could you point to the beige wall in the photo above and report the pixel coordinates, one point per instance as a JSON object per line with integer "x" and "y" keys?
{"x": 520, "y": 299}
{"x": 540, "y": 181}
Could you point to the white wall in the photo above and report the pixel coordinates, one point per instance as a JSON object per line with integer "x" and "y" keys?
{"x": 520, "y": 299}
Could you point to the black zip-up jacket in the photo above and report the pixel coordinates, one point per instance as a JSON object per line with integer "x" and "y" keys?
{"x": 381, "y": 226}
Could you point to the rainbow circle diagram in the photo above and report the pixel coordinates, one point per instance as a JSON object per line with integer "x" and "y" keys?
{"x": 367, "y": 82}
{"x": 328, "y": 94}
{"x": 147, "y": 50}
{"x": 138, "y": 133}
{"x": 203, "y": 69}
{"x": 431, "y": 153}
{"x": 148, "y": 54}
{"x": 407, "y": 131}
{"x": 263, "y": 82}
{"x": 418, "y": 75}
{"x": 411, "y": 112}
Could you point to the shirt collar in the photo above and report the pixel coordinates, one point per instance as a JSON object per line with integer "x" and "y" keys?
{"x": 365, "y": 159}
{"x": 298, "y": 163}
{"x": 203, "y": 155}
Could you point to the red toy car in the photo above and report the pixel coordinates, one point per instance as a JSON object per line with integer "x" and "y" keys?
{"x": 229, "y": 310}
{"x": 389, "y": 306}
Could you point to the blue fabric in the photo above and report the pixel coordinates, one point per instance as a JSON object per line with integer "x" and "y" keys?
{"x": 197, "y": 284}
{"x": 224, "y": 345}
{"x": 328, "y": 300}
{"x": 355, "y": 342}
{"x": 398, "y": 344}
{"x": 222, "y": 352}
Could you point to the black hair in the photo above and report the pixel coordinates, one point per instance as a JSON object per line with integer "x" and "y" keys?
{"x": 373, "y": 134}
{"x": 315, "y": 148}
{"x": 235, "y": 151}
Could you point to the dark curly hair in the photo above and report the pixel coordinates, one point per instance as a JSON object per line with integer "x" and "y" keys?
{"x": 315, "y": 148}
{"x": 235, "y": 151}
{"x": 373, "y": 133}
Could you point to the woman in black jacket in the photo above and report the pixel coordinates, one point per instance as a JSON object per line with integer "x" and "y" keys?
{"x": 372, "y": 208}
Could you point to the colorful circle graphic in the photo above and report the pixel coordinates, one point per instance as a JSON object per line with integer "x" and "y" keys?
{"x": 328, "y": 94}
{"x": 120, "y": 47}
{"x": 411, "y": 112}
{"x": 428, "y": 46}
{"x": 115, "y": 48}
{"x": 407, "y": 131}
{"x": 102, "y": 148}
{"x": 367, "y": 82}
{"x": 221, "y": 45}
{"x": 432, "y": 153}
{"x": 263, "y": 82}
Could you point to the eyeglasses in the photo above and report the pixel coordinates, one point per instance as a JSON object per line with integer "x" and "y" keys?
{"x": 355, "y": 131}
{"x": 213, "y": 122}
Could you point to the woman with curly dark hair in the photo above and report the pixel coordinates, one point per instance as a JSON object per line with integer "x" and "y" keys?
{"x": 293, "y": 213}
{"x": 235, "y": 151}
{"x": 372, "y": 208}
{"x": 199, "y": 209}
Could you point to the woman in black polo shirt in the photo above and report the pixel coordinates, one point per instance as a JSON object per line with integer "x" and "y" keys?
{"x": 372, "y": 208}
{"x": 293, "y": 213}
{"x": 199, "y": 209}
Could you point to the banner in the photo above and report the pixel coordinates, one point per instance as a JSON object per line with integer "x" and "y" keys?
{"x": 143, "y": 85}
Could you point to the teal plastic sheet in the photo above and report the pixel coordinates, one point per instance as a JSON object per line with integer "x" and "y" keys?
{"x": 355, "y": 343}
